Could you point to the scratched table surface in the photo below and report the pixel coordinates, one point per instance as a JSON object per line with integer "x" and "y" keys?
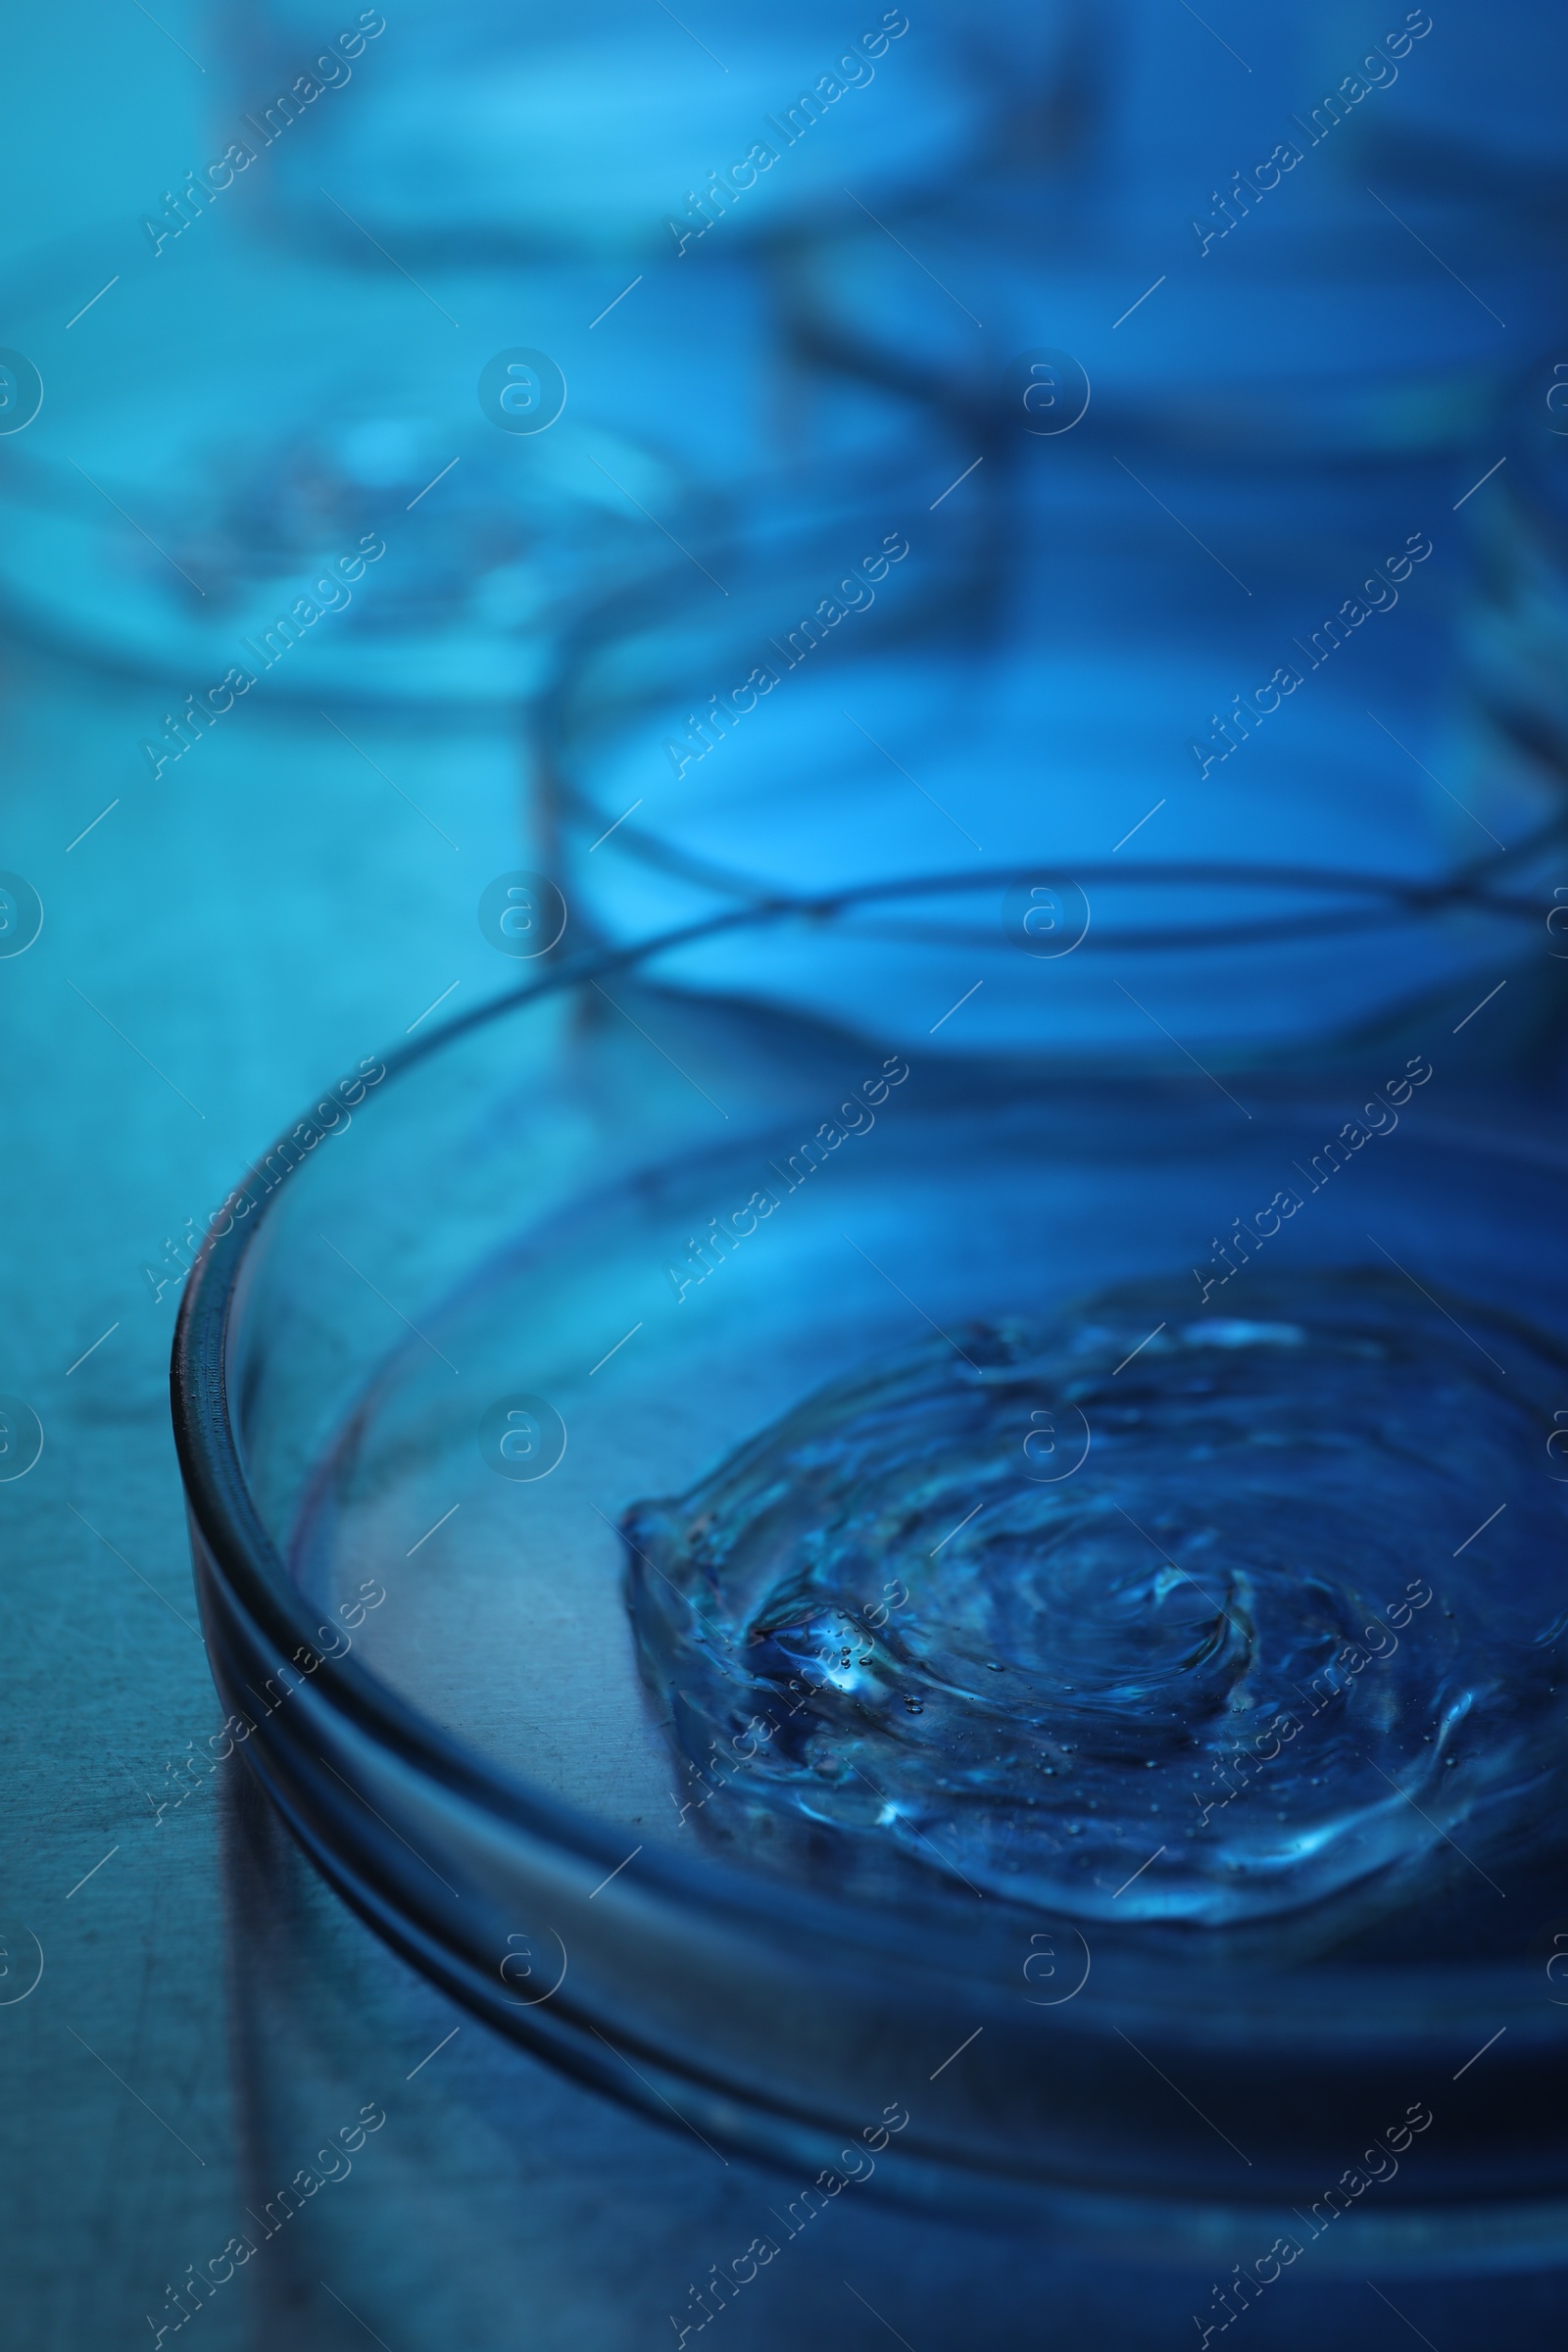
{"x": 209, "y": 2020}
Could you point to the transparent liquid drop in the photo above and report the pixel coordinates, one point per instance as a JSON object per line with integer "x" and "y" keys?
{"x": 1239, "y": 1557}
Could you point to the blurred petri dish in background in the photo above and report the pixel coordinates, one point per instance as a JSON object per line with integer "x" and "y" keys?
{"x": 175, "y": 533}
{"x": 1328, "y": 337}
{"x": 1053, "y": 674}
{"x": 510, "y": 129}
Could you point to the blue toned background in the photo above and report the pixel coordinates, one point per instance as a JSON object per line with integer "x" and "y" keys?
{"x": 306, "y": 639}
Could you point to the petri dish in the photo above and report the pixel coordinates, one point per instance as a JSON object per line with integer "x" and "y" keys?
{"x": 508, "y": 129}
{"x": 735, "y": 1539}
{"x": 324, "y": 411}
{"x": 1043, "y": 670}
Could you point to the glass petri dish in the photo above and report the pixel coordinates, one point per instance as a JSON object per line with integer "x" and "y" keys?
{"x": 327, "y": 412}
{"x": 1318, "y": 343}
{"x": 510, "y": 129}
{"x": 492, "y": 1374}
{"x": 1038, "y": 671}
{"x": 1293, "y": 309}
{"x": 285, "y": 519}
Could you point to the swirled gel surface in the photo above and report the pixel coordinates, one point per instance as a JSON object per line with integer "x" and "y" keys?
{"x": 1042, "y": 1608}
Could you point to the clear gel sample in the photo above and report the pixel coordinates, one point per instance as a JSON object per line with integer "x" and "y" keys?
{"x": 1152, "y": 1614}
